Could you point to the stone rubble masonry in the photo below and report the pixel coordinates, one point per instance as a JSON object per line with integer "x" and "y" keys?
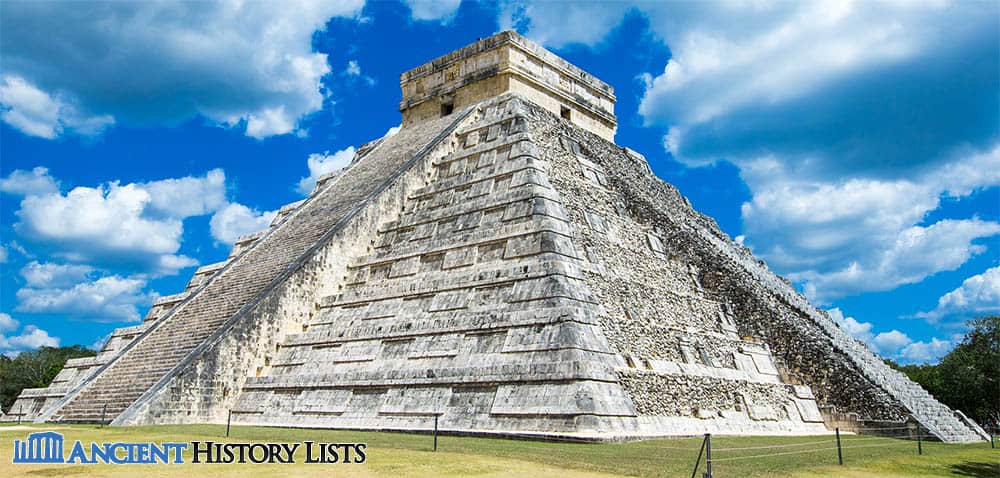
{"x": 808, "y": 347}
{"x": 505, "y": 268}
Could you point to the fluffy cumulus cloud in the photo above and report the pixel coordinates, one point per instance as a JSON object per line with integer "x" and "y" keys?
{"x": 235, "y": 220}
{"x": 36, "y": 113}
{"x": 136, "y": 224}
{"x": 29, "y": 183}
{"x": 241, "y": 64}
{"x": 840, "y": 237}
{"x": 7, "y": 323}
{"x": 104, "y": 243}
{"x": 926, "y": 352}
{"x": 894, "y": 344}
{"x": 978, "y": 295}
{"x": 135, "y": 227}
{"x": 44, "y": 275}
{"x": 80, "y": 291}
{"x": 323, "y": 163}
{"x": 848, "y": 122}
{"x": 859, "y": 330}
{"x": 188, "y": 196}
{"x": 428, "y": 10}
{"x": 30, "y": 337}
{"x": 107, "y": 299}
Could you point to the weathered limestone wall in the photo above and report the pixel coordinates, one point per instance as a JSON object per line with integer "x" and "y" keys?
{"x": 508, "y": 62}
{"x": 460, "y": 97}
{"x": 809, "y": 348}
{"x": 680, "y": 359}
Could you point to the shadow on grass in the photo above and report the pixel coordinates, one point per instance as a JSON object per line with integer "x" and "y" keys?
{"x": 62, "y": 471}
{"x": 977, "y": 469}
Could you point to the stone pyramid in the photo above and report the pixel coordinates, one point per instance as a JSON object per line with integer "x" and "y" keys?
{"x": 502, "y": 264}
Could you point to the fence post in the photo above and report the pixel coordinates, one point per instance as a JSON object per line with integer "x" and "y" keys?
{"x": 708, "y": 455}
{"x": 229, "y": 421}
{"x": 19, "y": 414}
{"x": 436, "y": 415}
{"x": 697, "y": 462}
{"x": 104, "y": 410}
{"x": 920, "y": 447}
{"x": 840, "y": 454}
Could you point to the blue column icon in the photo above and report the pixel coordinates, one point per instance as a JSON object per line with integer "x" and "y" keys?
{"x": 41, "y": 447}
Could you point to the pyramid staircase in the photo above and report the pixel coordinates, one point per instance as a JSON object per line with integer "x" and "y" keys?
{"x": 236, "y": 287}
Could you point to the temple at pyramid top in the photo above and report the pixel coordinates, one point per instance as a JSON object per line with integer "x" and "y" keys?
{"x": 508, "y": 62}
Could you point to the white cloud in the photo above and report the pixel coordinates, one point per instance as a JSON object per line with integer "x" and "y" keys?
{"x": 99, "y": 342}
{"x": 139, "y": 225}
{"x": 842, "y": 237}
{"x": 978, "y": 295}
{"x": 894, "y": 344}
{"x": 108, "y": 299}
{"x": 235, "y": 220}
{"x": 323, "y": 163}
{"x": 916, "y": 253}
{"x": 858, "y": 330}
{"x": 35, "y": 113}
{"x": 4, "y": 255}
{"x": 788, "y": 50}
{"x": 188, "y": 196}
{"x": 426, "y": 10}
{"x": 353, "y": 69}
{"x": 48, "y": 275}
{"x": 29, "y": 183}
{"x": 100, "y": 224}
{"x": 890, "y": 342}
{"x": 234, "y": 63}
{"x": 31, "y": 337}
{"x": 926, "y": 352}
{"x": 7, "y": 323}
{"x": 353, "y": 72}
{"x": 557, "y": 24}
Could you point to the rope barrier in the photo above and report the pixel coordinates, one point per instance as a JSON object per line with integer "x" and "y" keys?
{"x": 887, "y": 428}
{"x": 876, "y": 446}
{"x": 846, "y": 440}
{"x": 773, "y": 454}
{"x": 775, "y": 446}
{"x": 907, "y": 438}
{"x": 675, "y": 448}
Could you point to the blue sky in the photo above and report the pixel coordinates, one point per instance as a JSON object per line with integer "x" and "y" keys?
{"x": 853, "y": 146}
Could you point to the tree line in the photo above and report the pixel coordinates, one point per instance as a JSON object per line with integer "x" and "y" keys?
{"x": 968, "y": 378}
{"x": 34, "y": 369}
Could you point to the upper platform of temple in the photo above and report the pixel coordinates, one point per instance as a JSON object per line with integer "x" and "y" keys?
{"x": 508, "y": 62}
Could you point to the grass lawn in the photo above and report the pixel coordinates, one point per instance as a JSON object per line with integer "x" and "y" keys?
{"x": 401, "y": 455}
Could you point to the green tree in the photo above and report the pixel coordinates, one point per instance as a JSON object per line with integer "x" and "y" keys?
{"x": 34, "y": 369}
{"x": 968, "y": 378}
{"x": 969, "y": 375}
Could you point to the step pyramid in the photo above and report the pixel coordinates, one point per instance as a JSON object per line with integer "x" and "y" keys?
{"x": 501, "y": 266}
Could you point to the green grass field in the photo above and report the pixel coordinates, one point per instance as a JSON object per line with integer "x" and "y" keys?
{"x": 402, "y": 455}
